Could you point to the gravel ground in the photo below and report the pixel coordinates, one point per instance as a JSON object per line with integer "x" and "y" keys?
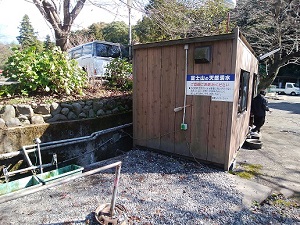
{"x": 155, "y": 189}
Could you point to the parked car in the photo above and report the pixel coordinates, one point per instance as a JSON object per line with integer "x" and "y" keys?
{"x": 289, "y": 89}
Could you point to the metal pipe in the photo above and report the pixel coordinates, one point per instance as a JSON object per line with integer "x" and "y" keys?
{"x": 25, "y": 151}
{"x": 38, "y": 141}
{"x": 31, "y": 190}
{"x": 5, "y": 173}
{"x": 9, "y": 155}
{"x": 115, "y": 190}
{"x": 51, "y": 144}
{"x": 81, "y": 139}
{"x": 186, "y": 48}
{"x": 27, "y": 169}
{"x": 54, "y": 160}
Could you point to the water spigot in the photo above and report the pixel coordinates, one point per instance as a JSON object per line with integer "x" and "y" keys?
{"x": 5, "y": 173}
{"x": 54, "y": 160}
{"x": 37, "y": 141}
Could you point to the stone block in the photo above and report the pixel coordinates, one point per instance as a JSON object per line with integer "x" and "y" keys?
{"x": 24, "y": 110}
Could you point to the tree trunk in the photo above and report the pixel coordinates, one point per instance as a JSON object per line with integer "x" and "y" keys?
{"x": 62, "y": 40}
{"x": 61, "y": 27}
{"x": 266, "y": 82}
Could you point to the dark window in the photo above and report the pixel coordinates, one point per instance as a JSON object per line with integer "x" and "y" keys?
{"x": 243, "y": 91}
{"x": 113, "y": 51}
{"x": 125, "y": 51}
{"x": 101, "y": 50}
{"x": 105, "y": 50}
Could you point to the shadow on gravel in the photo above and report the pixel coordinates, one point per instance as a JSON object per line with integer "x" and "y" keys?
{"x": 89, "y": 219}
{"x": 156, "y": 190}
{"x": 286, "y": 106}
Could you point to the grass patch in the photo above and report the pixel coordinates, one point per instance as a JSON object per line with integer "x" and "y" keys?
{"x": 280, "y": 200}
{"x": 248, "y": 171}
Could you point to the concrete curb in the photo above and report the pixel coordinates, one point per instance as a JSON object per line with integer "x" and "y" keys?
{"x": 252, "y": 191}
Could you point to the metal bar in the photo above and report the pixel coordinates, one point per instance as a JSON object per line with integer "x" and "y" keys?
{"x": 30, "y": 150}
{"x": 27, "y": 157}
{"x": 186, "y": 48}
{"x": 52, "y": 144}
{"x": 40, "y": 157}
{"x": 47, "y": 145}
{"x": 5, "y": 173}
{"x": 28, "y": 168}
{"x": 32, "y": 190}
{"x": 115, "y": 190}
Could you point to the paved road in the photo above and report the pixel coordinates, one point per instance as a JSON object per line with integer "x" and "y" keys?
{"x": 280, "y": 154}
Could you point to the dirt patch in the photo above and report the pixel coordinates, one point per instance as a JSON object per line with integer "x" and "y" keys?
{"x": 93, "y": 91}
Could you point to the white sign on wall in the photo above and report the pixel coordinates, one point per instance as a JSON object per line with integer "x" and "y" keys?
{"x": 219, "y": 86}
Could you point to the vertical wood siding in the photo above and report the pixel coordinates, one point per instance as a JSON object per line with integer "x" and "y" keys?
{"x": 182, "y": 138}
{"x": 168, "y": 81}
{"x": 215, "y": 130}
{"x": 140, "y": 96}
{"x": 240, "y": 122}
{"x": 154, "y": 98}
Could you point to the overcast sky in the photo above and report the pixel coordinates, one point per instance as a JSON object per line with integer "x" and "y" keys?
{"x": 12, "y": 12}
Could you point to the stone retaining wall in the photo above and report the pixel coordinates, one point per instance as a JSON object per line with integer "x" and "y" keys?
{"x": 14, "y": 138}
{"x": 28, "y": 114}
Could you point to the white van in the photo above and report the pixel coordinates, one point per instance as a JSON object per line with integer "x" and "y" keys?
{"x": 94, "y": 56}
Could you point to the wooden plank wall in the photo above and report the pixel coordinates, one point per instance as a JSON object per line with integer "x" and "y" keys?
{"x": 159, "y": 86}
{"x": 210, "y": 118}
{"x": 183, "y": 138}
{"x": 213, "y": 133}
{"x": 200, "y": 114}
{"x": 168, "y": 81}
{"x": 219, "y": 136}
{"x": 140, "y": 98}
{"x": 245, "y": 60}
{"x": 154, "y": 98}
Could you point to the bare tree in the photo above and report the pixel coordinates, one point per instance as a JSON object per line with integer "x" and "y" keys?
{"x": 52, "y": 10}
{"x": 269, "y": 25}
{"x": 172, "y": 19}
{"x": 62, "y": 13}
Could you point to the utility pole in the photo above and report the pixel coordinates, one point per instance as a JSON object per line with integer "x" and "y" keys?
{"x": 129, "y": 4}
{"x": 231, "y": 4}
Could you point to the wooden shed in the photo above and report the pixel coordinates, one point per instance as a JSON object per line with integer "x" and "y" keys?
{"x": 192, "y": 97}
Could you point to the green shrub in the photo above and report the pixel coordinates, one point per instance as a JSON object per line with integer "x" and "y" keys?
{"x": 40, "y": 72}
{"x": 119, "y": 73}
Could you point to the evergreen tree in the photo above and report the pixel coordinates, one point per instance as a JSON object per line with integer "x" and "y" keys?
{"x": 116, "y": 32}
{"x": 27, "y": 35}
{"x": 48, "y": 44}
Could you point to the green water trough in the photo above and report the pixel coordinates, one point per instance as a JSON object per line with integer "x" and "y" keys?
{"x": 59, "y": 173}
{"x": 39, "y": 179}
{"x": 19, "y": 184}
